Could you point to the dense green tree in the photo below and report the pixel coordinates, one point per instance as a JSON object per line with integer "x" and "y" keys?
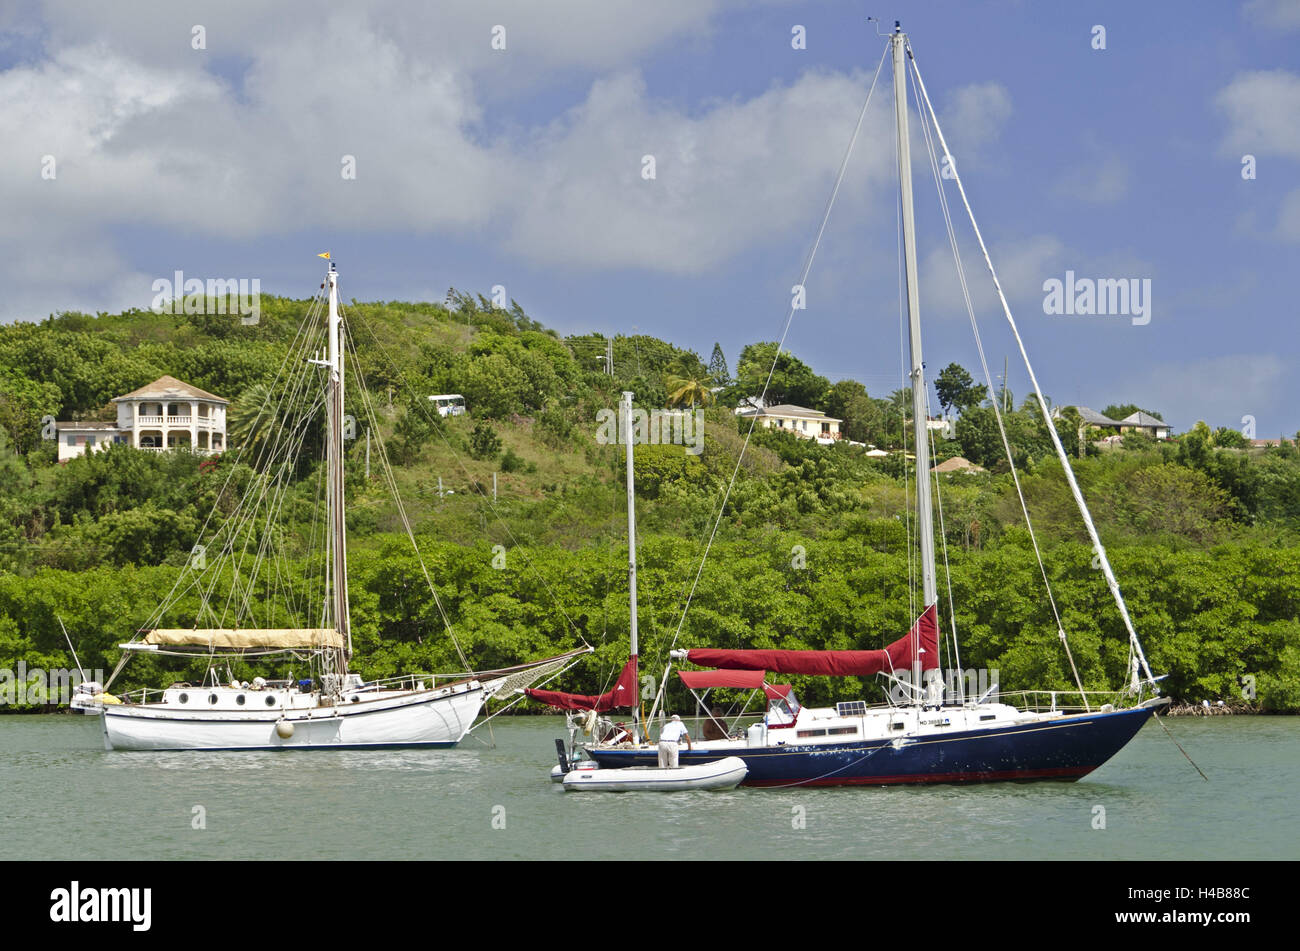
{"x": 23, "y": 404}
{"x": 718, "y": 371}
{"x": 957, "y": 390}
{"x": 792, "y": 380}
{"x": 848, "y": 400}
{"x": 1123, "y": 410}
{"x": 977, "y": 433}
{"x": 1205, "y": 538}
{"x": 1227, "y": 438}
{"x": 484, "y": 443}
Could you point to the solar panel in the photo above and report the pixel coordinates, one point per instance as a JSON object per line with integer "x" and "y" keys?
{"x": 852, "y": 708}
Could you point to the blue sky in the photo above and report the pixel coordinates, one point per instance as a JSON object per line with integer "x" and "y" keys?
{"x": 521, "y": 167}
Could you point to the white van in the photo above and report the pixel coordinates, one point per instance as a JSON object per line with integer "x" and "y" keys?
{"x": 449, "y": 404}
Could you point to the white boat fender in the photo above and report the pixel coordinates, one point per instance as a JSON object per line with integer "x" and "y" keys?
{"x": 283, "y": 728}
{"x": 589, "y": 723}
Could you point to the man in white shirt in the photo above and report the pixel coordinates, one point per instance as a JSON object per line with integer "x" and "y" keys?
{"x": 673, "y": 732}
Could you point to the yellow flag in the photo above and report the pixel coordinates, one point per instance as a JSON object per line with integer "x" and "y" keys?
{"x": 326, "y": 255}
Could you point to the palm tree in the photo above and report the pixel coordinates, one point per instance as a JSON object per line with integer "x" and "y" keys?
{"x": 245, "y": 422}
{"x": 261, "y": 422}
{"x": 684, "y": 387}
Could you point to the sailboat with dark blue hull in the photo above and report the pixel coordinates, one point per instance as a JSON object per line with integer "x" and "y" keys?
{"x": 976, "y": 743}
{"x": 929, "y": 731}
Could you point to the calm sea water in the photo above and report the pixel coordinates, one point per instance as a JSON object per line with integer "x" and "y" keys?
{"x": 63, "y": 797}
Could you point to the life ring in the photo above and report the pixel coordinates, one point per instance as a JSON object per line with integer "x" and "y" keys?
{"x": 588, "y": 722}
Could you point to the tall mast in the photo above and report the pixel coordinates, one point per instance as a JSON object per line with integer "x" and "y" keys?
{"x": 334, "y": 419}
{"x": 921, "y": 440}
{"x": 631, "y": 537}
{"x": 925, "y": 513}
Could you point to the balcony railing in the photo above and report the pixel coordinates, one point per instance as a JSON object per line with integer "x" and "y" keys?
{"x": 203, "y": 422}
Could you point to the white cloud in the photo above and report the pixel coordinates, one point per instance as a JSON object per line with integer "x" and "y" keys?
{"x": 1274, "y": 14}
{"x": 1263, "y": 112}
{"x": 455, "y": 34}
{"x": 1103, "y": 181}
{"x": 1288, "y": 219}
{"x": 145, "y": 134}
{"x": 1022, "y": 266}
{"x": 735, "y": 175}
{"x": 973, "y": 117}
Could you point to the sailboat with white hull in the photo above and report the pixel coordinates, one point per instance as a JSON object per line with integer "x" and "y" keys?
{"x": 332, "y": 708}
{"x": 928, "y": 737}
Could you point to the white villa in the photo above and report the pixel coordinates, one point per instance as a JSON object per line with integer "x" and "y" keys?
{"x": 803, "y": 422}
{"x": 165, "y": 414}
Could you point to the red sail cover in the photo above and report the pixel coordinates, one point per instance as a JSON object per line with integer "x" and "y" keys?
{"x": 897, "y": 656}
{"x": 623, "y": 695}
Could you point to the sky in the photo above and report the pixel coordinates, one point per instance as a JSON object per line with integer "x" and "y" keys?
{"x": 1155, "y": 142}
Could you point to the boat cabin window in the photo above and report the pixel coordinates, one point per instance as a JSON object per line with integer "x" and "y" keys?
{"x": 782, "y": 711}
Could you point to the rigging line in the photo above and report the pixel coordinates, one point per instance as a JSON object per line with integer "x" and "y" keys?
{"x": 166, "y": 602}
{"x": 317, "y": 531}
{"x": 1179, "y": 745}
{"x": 947, "y": 571}
{"x": 274, "y": 488}
{"x": 242, "y": 513}
{"x": 271, "y": 489}
{"x": 276, "y": 483}
{"x": 274, "y": 506}
{"x": 812, "y": 254}
{"x": 368, "y": 403}
{"x": 1111, "y": 581}
{"x": 997, "y": 412}
{"x": 437, "y": 428}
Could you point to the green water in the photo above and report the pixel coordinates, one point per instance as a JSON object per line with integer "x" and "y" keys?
{"x": 63, "y": 797}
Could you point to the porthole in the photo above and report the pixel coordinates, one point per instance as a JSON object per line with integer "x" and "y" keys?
{"x": 240, "y": 700}
{"x": 212, "y": 698}
{"x": 184, "y": 698}
{"x": 270, "y": 701}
